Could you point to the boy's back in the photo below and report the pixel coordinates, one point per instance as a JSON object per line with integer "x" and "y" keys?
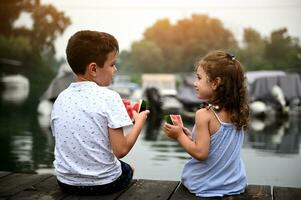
{"x": 80, "y": 120}
{"x": 88, "y": 119}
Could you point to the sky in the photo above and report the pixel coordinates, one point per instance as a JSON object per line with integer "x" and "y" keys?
{"x": 128, "y": 19}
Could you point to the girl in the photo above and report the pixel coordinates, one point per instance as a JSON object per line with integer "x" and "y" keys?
{"x": 216, "y": 168}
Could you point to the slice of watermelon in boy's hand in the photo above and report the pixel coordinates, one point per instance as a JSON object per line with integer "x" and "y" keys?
{"x": 128, "y": 107}
{"x": 138, "y": 107}
{"x": 141, "y": 106}
{"x": 126, "y": 102}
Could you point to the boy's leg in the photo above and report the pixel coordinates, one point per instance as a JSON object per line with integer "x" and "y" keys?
{"x": 123, "y": 181}
{"x": 119, "y": 184}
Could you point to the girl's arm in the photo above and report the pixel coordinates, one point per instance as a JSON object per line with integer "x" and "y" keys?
{"x": 199, "y": 148}
{"x": 121, "y": 144}
{"x": 187, "y": 132}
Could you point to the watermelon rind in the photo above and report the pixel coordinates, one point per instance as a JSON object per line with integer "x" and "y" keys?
{"x": 167, "y": 119}
{"x": 142, "y": 105}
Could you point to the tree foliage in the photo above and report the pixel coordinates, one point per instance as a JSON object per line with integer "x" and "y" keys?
{"x": 283, "y": 51}
{"x": 277, "y": 51}
{"x": 47, "y": 23}
{"x": 142, "y": 58}
{"x": 32, "y": 45}
{"x": 180, "y": 44}
{"x": 175, "y": 47}
{"x": 253, "y": 50}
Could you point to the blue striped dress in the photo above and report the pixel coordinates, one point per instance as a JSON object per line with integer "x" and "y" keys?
{"x": 223, "y": 172}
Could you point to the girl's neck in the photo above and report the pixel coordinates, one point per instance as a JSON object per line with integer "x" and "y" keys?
{"x": 215, "y": 107}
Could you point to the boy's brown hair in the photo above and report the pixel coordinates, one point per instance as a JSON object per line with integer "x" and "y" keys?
{"x": 88, "y": 46}
{"x": 231, "y": 94}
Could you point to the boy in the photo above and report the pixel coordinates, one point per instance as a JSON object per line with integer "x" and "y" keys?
{"x": 87, "y": 120}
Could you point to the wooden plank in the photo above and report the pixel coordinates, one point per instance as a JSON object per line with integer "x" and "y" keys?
{"x": 182, "y": 193}
{"x": 285, "y": 193}
{"x": 100, "y": 197}
{"x": 3, "y": 174}
{"x": 46, "y": 189}
{"x": 258, "y": 192}
{"x": 149, "y": 190}
{"x": 252, "y": 192}
{"x": 15, "y": 183}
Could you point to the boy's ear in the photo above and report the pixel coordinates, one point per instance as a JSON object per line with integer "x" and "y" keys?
{"x": 91, "y": 69}
{"x": 217, "y": 81}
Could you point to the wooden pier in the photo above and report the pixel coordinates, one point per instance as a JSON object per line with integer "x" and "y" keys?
{"x": 17, "y": 186}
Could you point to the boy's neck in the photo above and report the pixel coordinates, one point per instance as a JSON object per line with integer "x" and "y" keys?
{"x": 83, "y": 78}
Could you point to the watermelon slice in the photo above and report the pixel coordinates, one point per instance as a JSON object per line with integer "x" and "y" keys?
{"x": 177, "y": 118}
{"x": 138, "y": 107}
{"x": 141, "y": 106}
{"x": 167, "y": 119}
{"x": 128, "y": 107}
{"x": 172, "y": 118}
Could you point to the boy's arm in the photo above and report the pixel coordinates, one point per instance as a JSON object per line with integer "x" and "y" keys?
{"x": 122, "y": 144}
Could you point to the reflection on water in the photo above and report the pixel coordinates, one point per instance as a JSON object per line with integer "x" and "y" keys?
{"x": 271, "y": 148}
{"x": 270, "y": 152}
{"x": 24, "y": 146}
{"x": 278, "y": 135}
{"x": 21, "y": 148}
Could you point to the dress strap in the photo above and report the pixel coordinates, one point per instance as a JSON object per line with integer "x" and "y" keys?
{"x": 212, "y": 109}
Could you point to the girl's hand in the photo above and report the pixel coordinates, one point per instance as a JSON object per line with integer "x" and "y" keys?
{"x": 187, "y": 132}
{"x": 140, "y": 117}
{"x": 173, "y": 131}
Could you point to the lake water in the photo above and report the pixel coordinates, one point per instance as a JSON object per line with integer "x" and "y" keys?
{"x": 271, "y": 150}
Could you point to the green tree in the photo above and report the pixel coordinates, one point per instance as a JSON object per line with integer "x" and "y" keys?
{"x": 145, "y": 56}
{"x": 9, "y": 12}
{"x": 180, "y": 44}
{"x": 32, "y": 45}
{"x": 282, "y": 50}
{"x": 47, "y": 23}
{"x": 253, "y": 50}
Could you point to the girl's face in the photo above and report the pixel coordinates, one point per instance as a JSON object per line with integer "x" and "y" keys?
{"x": 204, "y": 88}
{"x": 104, "y": 75}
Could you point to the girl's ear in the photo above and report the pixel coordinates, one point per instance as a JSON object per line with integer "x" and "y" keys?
{"x": 217, "y": 81}
{"x": 91, "y": 69}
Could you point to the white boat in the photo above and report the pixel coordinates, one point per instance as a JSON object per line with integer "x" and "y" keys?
{"x": 165, "y": 84}
{"x": 273, "y": 92}
{"x": 63, "y": 79}
{"x": 123, "y": 86}
{"x": 16, "y": 88}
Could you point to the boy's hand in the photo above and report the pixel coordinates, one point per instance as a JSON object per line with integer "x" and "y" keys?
{"x": 140, "y": 117}
{"x": 173, "y": 131}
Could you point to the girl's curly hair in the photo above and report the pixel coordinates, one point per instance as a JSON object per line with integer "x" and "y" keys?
{"x": 231, "y": 93}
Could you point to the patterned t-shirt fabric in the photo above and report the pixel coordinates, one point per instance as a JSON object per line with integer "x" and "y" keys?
{"x": 80, "y": 119}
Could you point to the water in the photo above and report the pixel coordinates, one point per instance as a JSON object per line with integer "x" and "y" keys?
{"x": 271, "y": 154}
{"x": 271, "y": 150}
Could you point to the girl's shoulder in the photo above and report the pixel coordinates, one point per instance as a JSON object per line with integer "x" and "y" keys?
{"x": 203, "y": 114}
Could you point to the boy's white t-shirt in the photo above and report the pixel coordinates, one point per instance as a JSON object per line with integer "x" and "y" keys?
{"x": 80, "y": 120}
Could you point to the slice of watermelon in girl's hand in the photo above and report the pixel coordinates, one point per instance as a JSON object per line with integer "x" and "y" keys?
{"x": 170, "y": 119}
{"x": 177, "y": 118}
{"x": 167, "y": 119}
